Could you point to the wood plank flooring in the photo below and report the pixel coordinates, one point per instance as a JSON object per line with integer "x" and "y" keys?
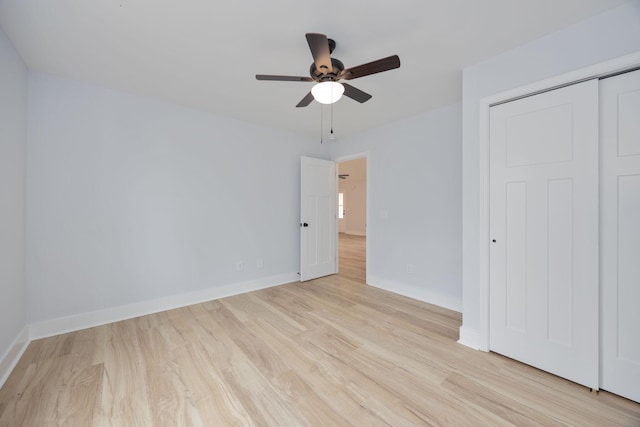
{"x": 352, "y": 257}
{"x": 329, "y": 352}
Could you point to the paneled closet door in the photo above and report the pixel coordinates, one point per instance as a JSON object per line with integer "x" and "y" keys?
{"x": 544, "y": 231}
{"x": 620, "y": 234}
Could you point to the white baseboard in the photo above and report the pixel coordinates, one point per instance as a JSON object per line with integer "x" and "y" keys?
{"x": 48, "y": 328}
{"x": 424, "y": 295}
{"x": 11, "y": 357}
{"x": 469, "y": 338}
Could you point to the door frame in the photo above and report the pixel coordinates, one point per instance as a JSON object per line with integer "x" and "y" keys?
{"x": 606, "y": 68}
{"x": 361, "y": 155}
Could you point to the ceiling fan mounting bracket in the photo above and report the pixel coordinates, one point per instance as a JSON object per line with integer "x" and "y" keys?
{"x": 332, "y": 45}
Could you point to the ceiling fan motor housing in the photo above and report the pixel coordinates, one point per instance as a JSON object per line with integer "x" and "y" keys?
{"x": 332, "y": 75}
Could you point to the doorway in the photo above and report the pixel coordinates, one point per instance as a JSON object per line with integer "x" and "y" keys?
{"x": 352, "y": 218}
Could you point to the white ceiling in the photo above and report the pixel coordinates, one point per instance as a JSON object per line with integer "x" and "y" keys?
{"x": 204, "y": 54}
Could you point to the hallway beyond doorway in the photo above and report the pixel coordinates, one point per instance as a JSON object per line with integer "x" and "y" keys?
{"x": 352, "y": 257}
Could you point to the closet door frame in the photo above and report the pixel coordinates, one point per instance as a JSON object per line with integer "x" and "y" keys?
{"x": 600, "y": 70}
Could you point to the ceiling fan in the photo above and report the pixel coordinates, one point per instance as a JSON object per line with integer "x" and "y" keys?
{"x": 327, "y": 71}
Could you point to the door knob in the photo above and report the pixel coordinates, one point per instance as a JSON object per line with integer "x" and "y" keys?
{"x": 304, "y": 224}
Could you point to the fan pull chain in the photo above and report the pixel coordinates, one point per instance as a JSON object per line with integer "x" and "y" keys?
{"x": 331, "y": 136}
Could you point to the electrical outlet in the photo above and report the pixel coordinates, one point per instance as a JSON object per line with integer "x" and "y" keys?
{"x": 239, "y": 266}
{"x": 409, "y": 268}
{"x": 259, "y": 263}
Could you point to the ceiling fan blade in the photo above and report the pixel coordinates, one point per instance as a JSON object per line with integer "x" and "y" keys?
{"x": 283, "y": 78}
{"x": 306, "y": 100}
{"x": 384, "y": 64}
{"x": 355, "y": 93}
{"x": 319, "y": 45}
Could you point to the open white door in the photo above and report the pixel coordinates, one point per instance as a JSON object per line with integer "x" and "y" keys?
{"x": 318, "y": 218}
{"x": 544, "y": 231}
{"x": 620, "y": 234}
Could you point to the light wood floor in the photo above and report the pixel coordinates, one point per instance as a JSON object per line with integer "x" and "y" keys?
{"x": 329, "y": 352}
{"x": 353, "y": 258}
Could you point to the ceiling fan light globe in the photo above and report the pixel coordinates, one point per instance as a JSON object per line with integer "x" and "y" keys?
{"x": 327, "y": 92}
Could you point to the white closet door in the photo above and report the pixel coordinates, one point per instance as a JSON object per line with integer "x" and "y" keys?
{"x": 620, "y": 233}
{"x": 544, "y": 220}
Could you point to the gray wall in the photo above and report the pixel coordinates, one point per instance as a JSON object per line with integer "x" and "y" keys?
{"x": 131, "y": 199}
{"x": 414, "y": 191}
{"x": 13, "y": 140}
